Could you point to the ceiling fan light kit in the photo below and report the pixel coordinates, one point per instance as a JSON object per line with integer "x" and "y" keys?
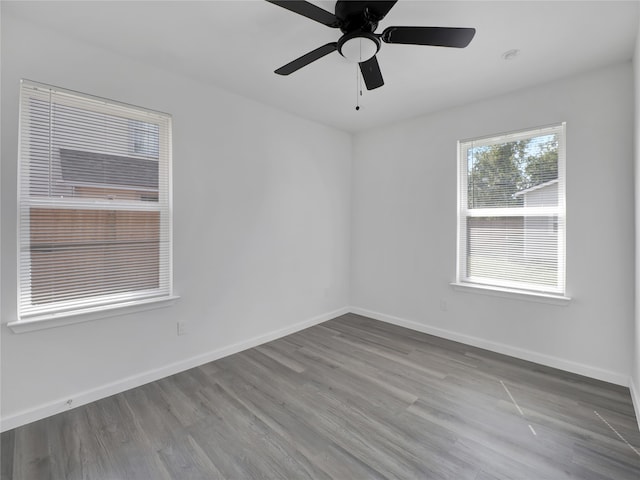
{"x": 358, "y": 46}
{"x": 359, "y": 43}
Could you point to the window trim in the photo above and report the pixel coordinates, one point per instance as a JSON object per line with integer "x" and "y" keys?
{"x": 530, "y": 296}
{"x": 494, "y": 286}
{"x": 105, "y": 305}
{"x": 60, "y": 319}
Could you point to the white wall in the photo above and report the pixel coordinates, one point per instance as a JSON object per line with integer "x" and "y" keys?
{"x": 261, "y": 229}
{"x": 635, "y": 377}
{"x": 404, "y": 227}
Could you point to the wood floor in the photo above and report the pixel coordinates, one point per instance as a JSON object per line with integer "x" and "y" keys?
{"x": 351, "y": 398}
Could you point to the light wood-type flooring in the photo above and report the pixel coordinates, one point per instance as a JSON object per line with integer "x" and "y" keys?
{"x": 352, "y": 398}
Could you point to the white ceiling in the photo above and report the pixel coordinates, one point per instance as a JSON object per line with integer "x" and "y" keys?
{"x": 237, "y": 45}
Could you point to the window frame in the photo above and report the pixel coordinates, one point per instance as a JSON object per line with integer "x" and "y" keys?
{"x": 106, "y": 304}
{"x": 507, "y": 287}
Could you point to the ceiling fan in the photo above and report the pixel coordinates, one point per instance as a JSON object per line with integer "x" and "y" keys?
{"x": 359, "y": 43}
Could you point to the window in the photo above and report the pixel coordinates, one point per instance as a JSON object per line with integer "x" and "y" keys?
{"x": 94, "y": 204}
{"x": 511, "y": 211}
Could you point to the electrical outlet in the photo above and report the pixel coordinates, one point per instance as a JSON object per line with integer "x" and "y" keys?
{"x": 183, "y": 328}
{"x": 443, "y": 305}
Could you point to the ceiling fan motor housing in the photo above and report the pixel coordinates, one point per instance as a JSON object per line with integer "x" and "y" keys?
{"x": 357, "y": 15}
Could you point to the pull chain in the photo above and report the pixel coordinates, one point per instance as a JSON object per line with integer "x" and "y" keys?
{"x": 359, "y": 71}
{"x": 358, "y": 82}
{"x": 358, "y": 88}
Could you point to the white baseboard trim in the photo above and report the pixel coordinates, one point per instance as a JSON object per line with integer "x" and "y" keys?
{"x": 635, "y": 398}
{"x": 81, "y": 398}
{"x": 548, "y": 360}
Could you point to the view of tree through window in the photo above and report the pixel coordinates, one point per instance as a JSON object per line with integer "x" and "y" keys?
{"x": 511, "y": 214}
{"x": 496, "y": 173}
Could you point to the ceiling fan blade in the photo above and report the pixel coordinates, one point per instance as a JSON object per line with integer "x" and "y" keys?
{"x": 380, "y": 9}
{"x": 306, "y": 59}
{"x": 435, "y": 36}
{"x": 309, "y": 10}
{"x": 371, "y": 73}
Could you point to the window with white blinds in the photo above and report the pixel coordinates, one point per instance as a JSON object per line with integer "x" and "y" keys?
{"x": 94, "y": 203}
{"x": 511, "y": 211}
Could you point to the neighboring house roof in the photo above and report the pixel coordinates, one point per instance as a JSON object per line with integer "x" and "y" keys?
{"x": 88, "y": 168}
{"x": 536, "y": 187}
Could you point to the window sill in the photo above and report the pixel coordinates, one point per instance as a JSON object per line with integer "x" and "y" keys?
{"x": 512, "y": 293}
{"x": 52, "y": 320}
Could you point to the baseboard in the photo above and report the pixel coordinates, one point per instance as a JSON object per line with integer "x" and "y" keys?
{"x": 548, "y": 360}
{"x": 81, "y": 398}
{"x": 635, "y": 398}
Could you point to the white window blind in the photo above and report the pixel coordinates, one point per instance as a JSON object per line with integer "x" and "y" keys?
{"x": 94, "y": 203}
{"x": 511, "y": 215}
